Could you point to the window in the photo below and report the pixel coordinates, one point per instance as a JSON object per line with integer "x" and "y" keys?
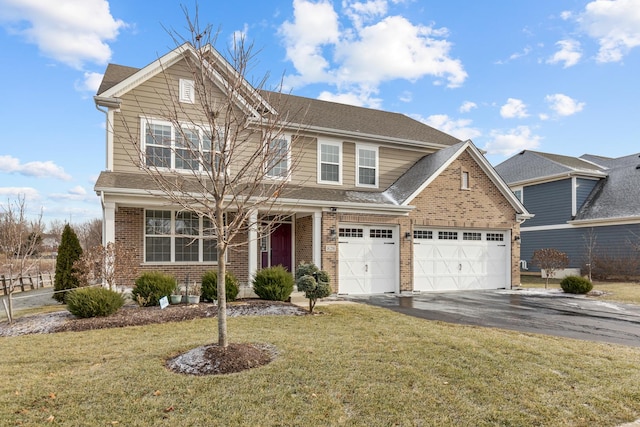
{"x": 350, "y": 232}
{"x": 329, "y": 162}
{"x": 495, "y": 237}
{"x": 381, "y": 234}
{"x": 178, "y": 236}
{"x": 185, "y": 148}
{"x": 278, "y": 158}
{"x": 518, "y": 193}
{"x": 187, "y": 91}
{"x": 448, "y": 235}
{"x": 367, "y": 166}
{"x": 471, "y": 236}
{"x": 422, "y": 234}
{"x": 464, "y": 184}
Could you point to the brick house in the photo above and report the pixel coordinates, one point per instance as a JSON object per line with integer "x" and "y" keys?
{"x": 380, "y": 201}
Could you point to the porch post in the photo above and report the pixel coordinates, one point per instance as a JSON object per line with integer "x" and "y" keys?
{"x": 108, "y": 223}
{"x": 252, "y": 261}
{"x": 317, "y": 239}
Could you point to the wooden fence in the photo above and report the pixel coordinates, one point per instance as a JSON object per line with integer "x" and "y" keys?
{"x": 23, "y": 283}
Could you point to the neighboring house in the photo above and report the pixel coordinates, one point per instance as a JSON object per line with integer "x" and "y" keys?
{"x": 380, "y": 201}
{"x": 587, "y": 207}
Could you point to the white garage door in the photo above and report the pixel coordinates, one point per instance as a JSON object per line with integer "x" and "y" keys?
{"x": 446, "y": 260}
{"x": 368, "y": 259}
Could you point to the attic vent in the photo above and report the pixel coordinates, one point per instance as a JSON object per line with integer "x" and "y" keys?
{"x": 187, "y": 91}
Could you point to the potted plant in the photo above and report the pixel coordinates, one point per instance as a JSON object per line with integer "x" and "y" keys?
{"x": 176, "y": 296}
{"x": 193, "y": 296}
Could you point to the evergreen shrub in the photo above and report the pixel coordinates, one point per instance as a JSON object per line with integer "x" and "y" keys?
{"x": 151, "y": 286}
{"x": 210, "y": 286}
{"x": 93, "y": 302}
{"x": 576, "y": 285}
{"x": 273, "y": 283}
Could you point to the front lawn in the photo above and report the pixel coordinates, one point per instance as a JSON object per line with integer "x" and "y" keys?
{"x": 355, "y": 365}
{"x": 627, "y": 292}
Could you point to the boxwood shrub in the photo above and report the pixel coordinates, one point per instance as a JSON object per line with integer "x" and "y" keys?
{"x": 151, "y": 286}
{"x": 273, "y": 283}
{"x": 210, "y": 286}
{"x": 93, "y": 302}
{"x": 576, "y": 285}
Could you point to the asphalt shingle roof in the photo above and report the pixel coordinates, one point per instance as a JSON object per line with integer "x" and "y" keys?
{"x": 617, "y": 194}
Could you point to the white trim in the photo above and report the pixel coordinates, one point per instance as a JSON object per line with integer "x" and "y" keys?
{"x": 574, "y": 196}
{"x": 110, "y": 136}
{"x": 465, "y": 180}
{"x": 334, "y": 143}
{"x": 316, "y": 240}
{"x": 252, "y": 259}
{"x": 373, "y": 148}
{"x": 109, "y": 222}
{"x": 546, "y": 227}
{"x": 287, "y": 177}
{"x": 558, "y": 177}
{"x": 521, "y": 190}
{"x": 603, "y": 222}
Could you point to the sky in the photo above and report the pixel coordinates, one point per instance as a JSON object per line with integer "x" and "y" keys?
{"x": 558, "y": 76}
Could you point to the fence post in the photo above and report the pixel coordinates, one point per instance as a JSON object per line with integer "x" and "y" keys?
{"x": 4, "y": 284}
{"x": 21, "y": 280}
{"x": 31, "y": 282}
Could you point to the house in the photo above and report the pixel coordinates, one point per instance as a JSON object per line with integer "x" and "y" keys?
{"x": 587, "y": 207}
{"x": 380, "y": 201}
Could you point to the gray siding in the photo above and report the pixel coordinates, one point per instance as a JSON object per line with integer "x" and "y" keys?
{"x": 550, "y": 202}
{"x": 613, "y": 240}
{"x": 583, "y": 189}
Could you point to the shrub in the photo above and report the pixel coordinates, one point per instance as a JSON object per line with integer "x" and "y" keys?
{"x": 210, "y": 286}
{"x": 94, "y": 302}
{"x": 152, "y": 286}
{"x": 313, "y": 282}
{"x": 576, "y": 285}
{"x": 69, "y": 252}
{"x": 273, "y": 283}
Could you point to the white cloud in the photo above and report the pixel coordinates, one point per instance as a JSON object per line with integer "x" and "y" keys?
{"x": 90, "y": 83}
{"x": 569, "y": 53}
{"x": 467, "y": 106}
{"x": 406, "y": 96}
{"x": 69, "y": 31}
{"x": 514, "y": 108}
{"x": 564, "y": 105}
{"x": 77, "y": 194}
{"x": 48, "y": 169}
{"x": 615, "y": 24}
{"x": 361, "y": 99}
{"x": 513, "y": 141}
{"x": 28, "y": 193}
{"x": 358, "y": 54}
{"x": 460, "y": 128}
{"x": 526, "y": 51}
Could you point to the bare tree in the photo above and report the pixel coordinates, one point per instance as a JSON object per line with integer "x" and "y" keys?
{"x": 111, "y": 265}
{"x": 20, "y": 238}
{"x": 90, "y": 233}
{"x": 590, "y": 240}
{"x": 230, "y": 144}
{"x": 551, "y": 260}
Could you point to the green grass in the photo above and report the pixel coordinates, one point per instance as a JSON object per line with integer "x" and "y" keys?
{"x": 627, "y": 292}
{"x": 355, "y": 366}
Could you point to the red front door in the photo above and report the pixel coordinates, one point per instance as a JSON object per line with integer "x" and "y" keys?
{"x": 281, "y": 245}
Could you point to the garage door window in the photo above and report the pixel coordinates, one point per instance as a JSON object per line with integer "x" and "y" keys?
{"x": 447, "y": 235}
{"x": 350, "y": 232}
{"x": 381, "y": 233}
{"x": 422, "y": 234}
{"x": 471, "y": 236}
{"x": 495, "y": 237}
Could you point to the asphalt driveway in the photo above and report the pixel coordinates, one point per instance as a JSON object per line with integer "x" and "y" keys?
{"x": 550, "y": 313}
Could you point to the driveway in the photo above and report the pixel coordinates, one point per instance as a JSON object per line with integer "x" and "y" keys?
{"x": 541, "y": 312}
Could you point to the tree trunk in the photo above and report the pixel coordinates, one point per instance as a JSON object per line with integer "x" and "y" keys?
{"x": 223, "y": 339}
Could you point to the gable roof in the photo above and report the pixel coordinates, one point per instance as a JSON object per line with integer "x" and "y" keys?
{"x": 310, "y": 115}
{"x": 429, "y": 167}
{"x": 617, "y": 196}
{"x": 534, "y": 165}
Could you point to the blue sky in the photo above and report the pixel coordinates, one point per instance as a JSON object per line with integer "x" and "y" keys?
{"x": 558, "y": 76}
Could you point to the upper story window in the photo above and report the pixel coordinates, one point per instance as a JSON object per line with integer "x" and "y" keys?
{"x": 518, "y": 193}
{"x": 366, "y": 166}
{"x": 187, "y": 91}
{"x": 464, "y": 180}
{"x": 186, "y": 148}
{"x": 177, "y": 236}
{"x": 278, "y": 158}
{"x": 329, "y": 162}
